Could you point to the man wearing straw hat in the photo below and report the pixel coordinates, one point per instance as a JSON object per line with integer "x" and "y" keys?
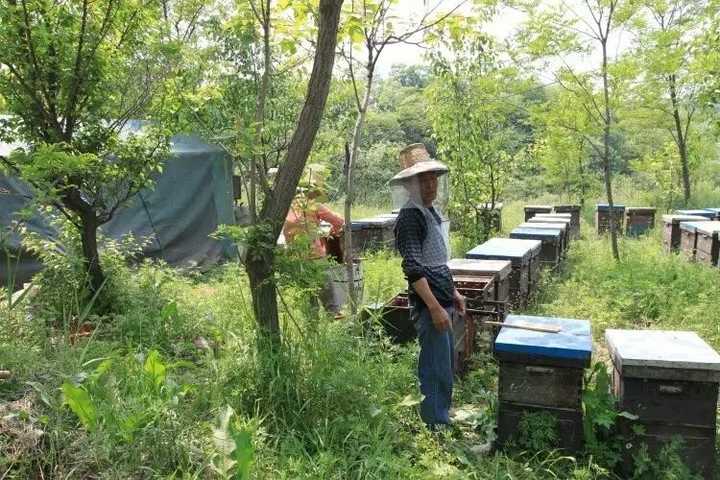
{"x": 421, "y": 237}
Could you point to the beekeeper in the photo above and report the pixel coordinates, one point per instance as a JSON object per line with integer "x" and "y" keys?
{"x": 421, "y": 236}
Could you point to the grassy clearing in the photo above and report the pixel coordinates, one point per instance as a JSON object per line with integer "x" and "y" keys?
{"x": 156, "y": 381}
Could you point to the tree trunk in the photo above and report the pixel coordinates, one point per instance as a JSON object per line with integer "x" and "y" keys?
{"x": 276, "y": 205}
{"x": 349, "y": 193}
{"x": 680, "y": 140}
{"x": 606, "y": 155}
{"x": 88, "y": 237}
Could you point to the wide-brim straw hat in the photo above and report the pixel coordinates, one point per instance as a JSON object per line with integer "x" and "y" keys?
{"x": 416, "y": 160}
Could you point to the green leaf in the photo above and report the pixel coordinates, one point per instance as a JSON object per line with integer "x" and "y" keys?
{"x": 411, "y": 400}
{"x": 155, "y": 368}
{"x": 243, "y": 453}
{"x": 81, "y": 404}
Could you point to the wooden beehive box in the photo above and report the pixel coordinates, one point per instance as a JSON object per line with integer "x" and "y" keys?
{"x": 477, "y": 290}
{"x": 524, "y": 256}
{"x": 562, "y": 223}
{"x": 699, "y": 212}
{"x": 671, "y": 229}
{"x": 688, "y": 238}
{"x": 602, "y": 217}
{"x": 370, "y": 234}
{"x": 574, "y": 211}
{"x": 669, "y": 380}
{"x": 639, "y": 220}
{"x": 532, "y": 210}
{"x": 543, "y": 372}
{"x": 715, "y": 212}
{"x": 551, "y": 250}
{"x": 708, "y": 244}
{"x": 394, "y": 316}
{"x": 500, "y": 270}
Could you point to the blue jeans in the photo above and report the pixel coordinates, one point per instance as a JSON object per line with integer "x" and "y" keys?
{"x": 435, "y": 367}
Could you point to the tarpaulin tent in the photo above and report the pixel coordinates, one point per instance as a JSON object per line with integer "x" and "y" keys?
{"x": 191, "y": 197}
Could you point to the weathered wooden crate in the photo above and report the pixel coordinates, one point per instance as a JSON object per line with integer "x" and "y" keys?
{"x": 394, "y": 316}
{"x": 478, "y": 291}
{"x": 499, "y": 270}
{"x": 602, "y": 217}
{"x": 708, "y": 243}
{"x": 524, "y": 255}
{"x": 552, "y": 221}
{"x": 671, "y": 229}
{"x": 688, "y": 238}
{"x": 532, "y": 210}
{"x": 551, "y": 250}
{"x": 543, "y": 373}
{"x": 699, "y": 212}
{"x": 371, "y": 234}
{"x": 669, "y": 381}
{"x": 574, "y": 211}
{"x": 639, "y": 220}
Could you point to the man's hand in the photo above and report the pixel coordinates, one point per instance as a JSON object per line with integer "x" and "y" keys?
{"x": 459, "y": 302}
{"x": 440, "y": 318}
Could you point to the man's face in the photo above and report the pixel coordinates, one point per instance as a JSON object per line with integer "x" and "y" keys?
{"x": 428, "y": 187}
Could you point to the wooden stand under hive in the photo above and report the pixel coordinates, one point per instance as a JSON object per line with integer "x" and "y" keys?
{"x": 542, "y": 373}
{"x": 669, "y": 381}
{"x": 551, "y": 250}
{"x": 671, "y": 230}
{"x": 707, "y": 243}
{"x": 602, "y": 218}
{"x": 525, "y": 258}
{"x": 532, "y": 210}
{"x": 639, "y": 220}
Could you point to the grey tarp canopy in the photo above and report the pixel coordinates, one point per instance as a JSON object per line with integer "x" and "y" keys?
{"x": 190, "y": 198}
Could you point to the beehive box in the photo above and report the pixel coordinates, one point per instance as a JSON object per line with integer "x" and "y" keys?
{"x": 574, "y": 211}
{"x": 542, "y": 373}
{"x": 669, "y": 380}
{"x": 477, "y": 290}
{"x": 551, "y": 222}
{"x": 639, "y": 220}
{"x": 551, "y": 250}
{"x": 371, "y": 234}
{"x": 499, "y": 270}
{"x": 532, "y": 210}
{"x": 699, "y": 212}
{"x": 715, "y": 212}
{"x": 671, "y": 230}
{"x": 707, "y": 244}
{"x": 394, "y": 316}
{"x": 524, "y": 255}
{"x": 688, "y": 238}
{"x": 602, "y": 217}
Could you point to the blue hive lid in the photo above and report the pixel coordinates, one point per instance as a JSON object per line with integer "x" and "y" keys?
{"x": 505, "y": 249}
{"x": 691, "y": 226}
{"x": 572, "y": 343}
{"x": 702, "y": 213}
{"x": 539, "y": 233}
{"x": 709, "y": 228}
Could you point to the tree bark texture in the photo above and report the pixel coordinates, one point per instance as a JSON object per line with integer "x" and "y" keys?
{"x": 277, "y": 203}
{"x": 680, "y": 139}
{"x": 607, "y": 167}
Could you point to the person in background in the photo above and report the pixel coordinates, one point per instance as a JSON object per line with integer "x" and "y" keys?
{"x": 303, "y": 220}
{"x": 423, "y": 244}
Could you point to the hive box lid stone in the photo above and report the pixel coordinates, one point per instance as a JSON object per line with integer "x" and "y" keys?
{"x": 506, "y": 248}
{"x": 663, "y": 349}
{"x": 573, "y": 342}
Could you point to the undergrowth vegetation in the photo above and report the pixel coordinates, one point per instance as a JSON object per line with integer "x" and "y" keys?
{"x": 173, "y": 384}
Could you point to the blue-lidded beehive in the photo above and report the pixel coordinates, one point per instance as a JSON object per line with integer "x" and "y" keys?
{"x": 524, "y": 256}
{"x": 671, "y": 229}
{"x": 542, "y": 373}
{"x": 688, "y": 238}
{"x": 551, "y": 239}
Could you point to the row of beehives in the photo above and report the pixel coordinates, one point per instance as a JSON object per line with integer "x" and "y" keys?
{"x": 694, "y": 233}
